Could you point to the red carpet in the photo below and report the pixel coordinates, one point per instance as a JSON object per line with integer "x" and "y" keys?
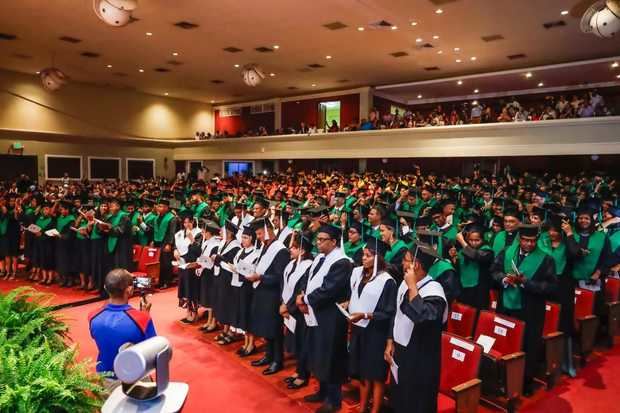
{"x": 220, "y": 381}
{"x": 58, "y": 295}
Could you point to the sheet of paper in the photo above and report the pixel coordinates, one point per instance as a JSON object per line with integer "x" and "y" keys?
{"x": 226, "y": 266}
{"x": 486, "y": 342}
{"x": 394, "y": 370}
{"x": 343, "y": 311}
{"x": 246, "y": 269}
{"x": 290, "y": 323}
{"x": 34, "y": 228}
{"x": 52, "y": 233}
{"x": 596, "y": 286}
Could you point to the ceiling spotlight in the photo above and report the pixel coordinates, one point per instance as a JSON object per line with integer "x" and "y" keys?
{"x": 252, "y": 75}
{"x": 617, "y": 77}
{"x": 275, "y": 46}
{"x": 414, "y": 23}
{"x": 615, "y": 65}
{"x": 175, "y": 53}
{"x": 109, "y": 66}
{"x": 419, "y": 96}
{"x": 237, "y": 65}
{"x": 272, "y": 74}
{"x": 418, "y": 40}
{"x": 460, "y": 82}
{"x": 541, "y": 84}
{"x": 360, "y": 29}
{"x": 141, "y": 70}
{"x": 394, "y": 27}
{"x": 149, "y": 33}
{"x": 458, "y": 60}
{"x": 438, "y": 11}
{"x": 440, "y": 52}
{"x": 436, "y": 37}
{"x": 476, "y": 91}
{"x": 115, "y": 12}
{"x": 602, "y": 18}
{"x": 328, "y": 57}
{"x": 213, "y": 101}
{"x": 457, "y": 49}
{"x": 53, "y": 78}
{"x": 528, "y": 75}
{"x": 38, "y": 73}
{"x": 473, "y": 58}
{"x": 314, "y": 85}
{"x": 166, "y": 94}
{"x": 564, "y": 12}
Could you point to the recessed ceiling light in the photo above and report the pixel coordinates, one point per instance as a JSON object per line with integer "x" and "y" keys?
{"x": 418, "y": 40}
{"x": 149, "y": 33}
{"x": 360, "y": 29}
{"x": 460, "y": 82}
{"x": 272, "y": 74}
{"x": 440, "y": 52}
{"x": 141, "y": 70}
{"x": 109, "y": 66}
{"x": 328, "y": 57}
{"x": 476, "y": 91}
{"x": 618, "y": 76}
{"x": 458, "y": 60}
{"x": 175, "y": 53}
{"x": 314, "y": 85}
{"x": 528, "y": 75}
{"x": 435, "y": 37}
{"x": 473, "y": 58}
{"x": 38, "y": 73}
{"x": 236, "y": 65}
{"x": 564, "y": 12}
{"x": 614, "y": 64}
{"x": 419, "y": 96}
{"x": 414, "y": 23}
{"x": 394, "y": 27}
{"x": 541, "y": 84}
{"x": 276, "y": 46}
{"x": 457, "y": 49}
{"x": 438, "y": 11}
{"x": 166, "y": 94}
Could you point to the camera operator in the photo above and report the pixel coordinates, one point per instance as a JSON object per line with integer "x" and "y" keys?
{"x": 118, "y": 324}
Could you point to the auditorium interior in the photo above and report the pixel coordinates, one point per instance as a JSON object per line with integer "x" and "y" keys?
{"x": 497, "y": 109}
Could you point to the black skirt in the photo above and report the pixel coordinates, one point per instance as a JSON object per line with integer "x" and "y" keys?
{"x": 294, "y": 342}
{"x": 366, "y": 350}
{"x": 223, "y": 307}
{"x": 98, "y": 263}
{"x": 566, "y": 299}
{"x": 4, "y": 246}
{"x": 13, "y": 235}
{"x": 65, "y": 255}
{"x": 246, "y": 292}
{"x": 189, "y": 287}
{"x": 46, "y": 253}
{"x": 207, "y": 291}
{"x": 82, "y": 264}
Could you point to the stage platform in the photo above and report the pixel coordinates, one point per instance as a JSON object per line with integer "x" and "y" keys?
{"x": 58, "y": 296}
{"x": 221, "y": 381}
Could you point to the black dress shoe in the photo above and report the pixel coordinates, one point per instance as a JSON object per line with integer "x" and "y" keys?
{"x": 314, "y": 398}
{"x": 272, "y": 369}
{"x": 289, "y": 380}
{"x": 261, "y": 362}
{"x": 293, "y": 386}
{"x": 327, "y": 408}
{"x": 248, "y": 353}
{"x": 240, "y": 351}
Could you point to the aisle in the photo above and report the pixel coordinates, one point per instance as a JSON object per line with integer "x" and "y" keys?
{"x": 221, "y": 381}
{"x": 58, "y": 295}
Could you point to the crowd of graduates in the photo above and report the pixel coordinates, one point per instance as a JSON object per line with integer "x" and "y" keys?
{"x": 297, "y": 259}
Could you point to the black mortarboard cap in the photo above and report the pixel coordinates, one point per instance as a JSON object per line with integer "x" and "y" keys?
{"x": 529, "y": 230}
{"x": 332, "y": 231}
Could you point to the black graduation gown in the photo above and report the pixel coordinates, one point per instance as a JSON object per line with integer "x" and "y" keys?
{"x": 166, "y": 258}
{"x": 13, "y": 234}
{"x": 451, "y": 284}
{"x": 367, "y": 345}
{"x": 121, "y": 257}
{"x": 419, "y": 364}
{"x": 244, "y": 306}
{"x": 265, "y": 320}
{"x": 65, "y": 251}
{"x": 189, "y": 283}
{"x": 225, "y": 308}
{"x": 207, "y": 280}
{"x": 534, "y": 294}
{"x": 327, "y": 342}
{"x": 478, "y": 296}
{"x": 45, "y": 248}
{"x": 294, "y": 342}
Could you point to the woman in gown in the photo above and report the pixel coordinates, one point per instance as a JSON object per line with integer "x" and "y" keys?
{"x": 188, "y": 242}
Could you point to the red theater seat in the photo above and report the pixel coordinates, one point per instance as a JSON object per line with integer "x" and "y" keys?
{"x": 461, "y": 320}
{"x": 586, "y": 323}
{"x": 136, "y": 253}
{"x": 503, "y": 365}
{"x": 493, "y": 300}
{"x": 612, "y": 308}
{"x": 459, "y": 387}
{"x": 553, "y": 342}
{"x": 148, "y": 265}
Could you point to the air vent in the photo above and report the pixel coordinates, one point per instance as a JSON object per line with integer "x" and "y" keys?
{"x": 442, "y": 2}
{"x": 399, "y": 54}
{"x": 21, "y": 56}
{"x": 120, "y": 74}
{"x": 217, "y": 81}
{"x": 232, "y": 49}
{"x": 186, "y": 25}
{"x": 492, "y": 38}
{"x": 316, "y": 66}
{"x": 551, "y": 25}
{"x": 427, "y": 46}
{"x": 335, "y": 25}
{"x": 516, "y": 56}
{"x": 69, "y": 39}
{"x": 90, "y": 54}
{"x": 264, "y": 49}
{"x": 174, "y": 62}
{"x": 343, "y": 81}
{"x": 431, "y": 68}
{"x": 381, "y": 25}
{"x": 6, "y": 36}
{"x": 293, "y": 88}
{"x": 161, "y": 69}
{"x": 304, "y": 70}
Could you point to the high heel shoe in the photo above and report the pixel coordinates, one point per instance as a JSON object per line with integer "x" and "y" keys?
{"x": 248, "y": 353}
{"x": 294, "y": 386}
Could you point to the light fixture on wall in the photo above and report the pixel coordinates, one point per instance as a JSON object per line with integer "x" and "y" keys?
{"x": 384, "y": 161}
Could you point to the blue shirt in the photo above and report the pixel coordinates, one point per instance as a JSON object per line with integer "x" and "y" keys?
{"x": 114, "y": 325}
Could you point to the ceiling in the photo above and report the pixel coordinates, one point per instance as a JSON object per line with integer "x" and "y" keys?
{"x": 358, "y": 57}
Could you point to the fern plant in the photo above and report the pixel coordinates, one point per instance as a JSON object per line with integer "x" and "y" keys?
{"x": 38, "y": 371}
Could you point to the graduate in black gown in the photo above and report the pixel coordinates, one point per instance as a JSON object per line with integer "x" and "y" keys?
{"x": 208, "y": 248}
{"x": 414, "y": 345}
{"x": 164, "y": 228}
{"x": 98, "y": 239}
{"x": 119, "y": 236}
{"x": 372, "y": 306}
{"x": 44, "y": 245}
{"x": 295, "y": 280}
{"x": 328, "y": 285}
{"x": 472, "y": 263}
{"x": 83, "y": 247}
{"x": 524, "y": 295}
{"x": 188, "y": 242}
{"x": 266, "y": 321}
{"x": 65, "y": 243}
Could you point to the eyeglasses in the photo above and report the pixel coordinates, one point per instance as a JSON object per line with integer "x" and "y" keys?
{"x": 322, "y": 239}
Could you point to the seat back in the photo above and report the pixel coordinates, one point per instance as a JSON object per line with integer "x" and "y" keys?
{"x": 493, "y": 300}
{"x": 506, "y": 331}
{"x": 584, "y": 303}
{"x": 612, "y": 289}
{"x": 461, "y": 320}
{"x": 460, "y": 361}
{"x": 149, "y": 255}
{"x": 136, "y": 252}
{"x": 552, "y": 318}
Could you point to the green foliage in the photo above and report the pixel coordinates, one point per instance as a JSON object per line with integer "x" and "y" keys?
{"x": 38, "y": 371}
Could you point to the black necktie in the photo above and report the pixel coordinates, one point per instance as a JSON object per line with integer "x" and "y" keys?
{"x": 520, "y": 259}
{"x": 318, "y": 266}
